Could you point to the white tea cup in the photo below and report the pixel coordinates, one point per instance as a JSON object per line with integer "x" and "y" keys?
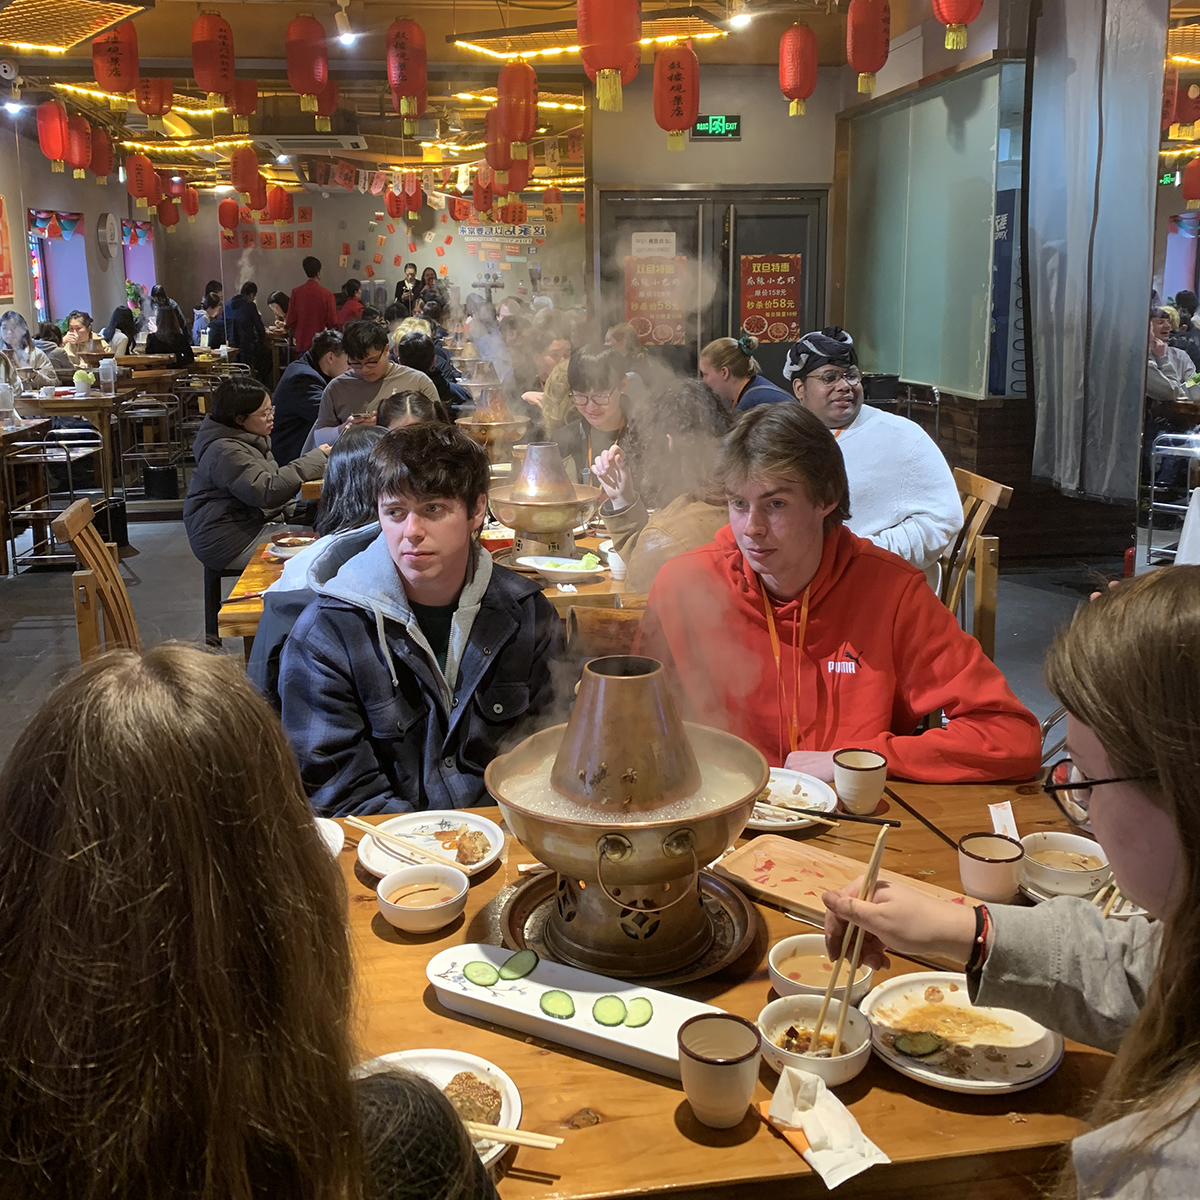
{"x": 47, "y": 393}
{"x": 989, "y": 866}
{"x": 617, "y": 565}
{"x": 718, "y": 1064}
{"x": 858, "y": 778}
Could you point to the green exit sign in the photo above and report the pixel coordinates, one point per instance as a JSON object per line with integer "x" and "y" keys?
{"x": 1168, "y": 179}
{"x": 724, "y": 127}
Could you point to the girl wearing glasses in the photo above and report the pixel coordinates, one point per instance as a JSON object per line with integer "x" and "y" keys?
{"x": 729, "y": 367}
{"x": 596, "y": 377}
{"x": 1128, "y": 672}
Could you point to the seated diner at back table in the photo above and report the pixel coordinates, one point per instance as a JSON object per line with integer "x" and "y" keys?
{"x": 803, "y": 639}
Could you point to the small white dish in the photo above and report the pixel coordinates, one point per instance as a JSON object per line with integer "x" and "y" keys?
{"x": 332, "y": 834}
{"x": 423, "y": 828}
{"x": 793, "y": 788}
{"x": 290, "y": 544}
{"x": 812, "y": 943}
{"x": 429, "y": 918}
{"x": 1059, "y": 881}
{"x": 440, "y": 1066}
{"x": 802, "y": 1010}
{"x": 553, "y": 571}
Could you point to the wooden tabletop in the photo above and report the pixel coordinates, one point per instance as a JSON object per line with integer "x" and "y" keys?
{"x": 23, "y": 428}
{"x": 135, "y": 362}
{"x": 630, "y": 1133}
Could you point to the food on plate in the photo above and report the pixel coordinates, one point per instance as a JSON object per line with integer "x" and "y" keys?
{"x": 422, "y": 895}
{"x": 518, "y": 965}
{"x": 799, "y": 1041}
{"x": 558, "y": 1005}
{"x": 641, "y": 326}
{"x": 589, "y": 562}
{"x": 814, "y": 970}
{"x": 777, "y": 331}
{"x": 934, "y": 994}
{"x": 755, "y": 326}
{"x": 473, "y": 847}
{"x": 482, "y": 974}
{"x": 638, "y": 1012}
{"x": 1067, "y": 860}
{"x": 473, "y": 1099}
{"x": 918, "y": 1045}
{"x": 289, "y": 540}
{"x": 664, "y": 333}
{"x": 957, "y": 1023}
{"x": 609, "y": 1010}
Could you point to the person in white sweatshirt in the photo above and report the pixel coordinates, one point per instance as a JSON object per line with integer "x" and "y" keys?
{"x": 902, "y": 494}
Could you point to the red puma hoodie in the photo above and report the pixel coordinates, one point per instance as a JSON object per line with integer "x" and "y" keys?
{"x": 880, "y": 653}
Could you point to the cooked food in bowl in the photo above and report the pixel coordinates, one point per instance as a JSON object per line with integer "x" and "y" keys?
{"x": 815, "y": 970}
{"x": 799, "y": 1041}
{"x": 293, "y": 541}
{"x": 1067, "y": 860}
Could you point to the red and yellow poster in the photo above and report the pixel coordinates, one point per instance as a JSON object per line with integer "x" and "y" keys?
{"x": 654, "y": 299}
{"x": 770, "y": 296}
{"x": 6, "y": 258}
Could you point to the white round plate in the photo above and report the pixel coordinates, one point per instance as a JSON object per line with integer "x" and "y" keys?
{"x": 1030, "y": 1052}
{"x": 277, "y": 551}
{"x": 541, "y": 564}
{"x": 812, "y": 794}
{"x": 440, "y": 1066}
{"x": 332, "y": 834}
{"x": 1122, "y": 910}
{"x": 419, "y": 828}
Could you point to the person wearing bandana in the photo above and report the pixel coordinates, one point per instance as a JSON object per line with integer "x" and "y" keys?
{"x": 902, "y": 493}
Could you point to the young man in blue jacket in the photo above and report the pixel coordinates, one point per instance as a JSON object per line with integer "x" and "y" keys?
{"x": 419, "y": 657}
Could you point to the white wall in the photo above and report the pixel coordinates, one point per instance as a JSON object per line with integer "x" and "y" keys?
{"x": 921, "y": 51}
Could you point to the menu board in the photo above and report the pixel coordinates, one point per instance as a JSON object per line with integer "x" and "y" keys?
{"x": 770, "y": 297}
{"x": 654, "y": 299}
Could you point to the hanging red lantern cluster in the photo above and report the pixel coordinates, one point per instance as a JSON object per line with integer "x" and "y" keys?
{"x": 156, "y": 190}
{"x": 518, "y": 176}
{"x": 868, "y": 39}
{"x": 190, "y": 202}
{"x": 1169, "y": 94}
{"x": 609, "y": 34}
{"x": 115, "y": 63}
{"x": 327, "y": 103}
{"x": 103, "y": 159}
{"x": 227, "y": 213}
{"x": 676, "y": 93}
{"x": 176, "y": 186}
{"x": 242, "y": 102}
{"x": 498, "y": 152}
{"x": 517, "y": 106}
{"x": 280, "y": 205}
{"x": 307, "y": 60}
{"x": 552, "y": 204}
{"x": 52, "y": 132}
{"x": 79, "y": 146}
{"x": 155, "y": 98}
{"x": 408, "y": 70}
{"x": 394, "y": 204}
{"x": 1191, "y": 183}
{"x": 258, "y": 194}
{"x": 139, "y": 179}
{"x": 956, "y": 15}
{"x": 798, "y": 66}
{"x": 212, "y": 56}
{"x": 243, "y": 171}
{"x": 168, "y": 214}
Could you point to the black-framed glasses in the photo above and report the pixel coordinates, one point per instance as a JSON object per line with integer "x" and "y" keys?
{"x": 1072, "y": 792}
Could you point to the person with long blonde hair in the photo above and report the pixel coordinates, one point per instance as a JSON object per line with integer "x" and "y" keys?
{"x": 1127, "y": 670}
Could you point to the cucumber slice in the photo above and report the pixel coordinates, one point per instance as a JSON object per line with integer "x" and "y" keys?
{"x": 482, "y": 974}
{"x": 918, "y": 1045}
{"x": 519, "y": 965}
{"x": 558, "y": 1005}
{"x": 609, "y": 1010}
{"x": 639, "y": 1012}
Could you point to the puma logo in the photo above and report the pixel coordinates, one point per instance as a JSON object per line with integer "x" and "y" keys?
{"x": 850, "y": 667}
{"x": 854, "y": 658}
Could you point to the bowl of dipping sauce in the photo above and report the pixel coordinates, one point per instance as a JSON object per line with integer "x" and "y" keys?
{"x": 1065, "y": 864}
{"x": 799, "y": 966}
{"x": 788, "y": 1022}
{"x": 421, "y": 899}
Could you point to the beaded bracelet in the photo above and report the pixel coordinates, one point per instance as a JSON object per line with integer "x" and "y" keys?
{"x": 983, "y": 923}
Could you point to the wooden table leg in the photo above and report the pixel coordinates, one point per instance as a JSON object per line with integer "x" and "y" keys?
{"x": 247, "y": 646}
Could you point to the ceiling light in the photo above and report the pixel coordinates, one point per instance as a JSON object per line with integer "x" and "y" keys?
{"x": 176, "y": 178}
{"x": 11, "y": 106}
{"x": 223, "y": 187}
{"x": 346, "y": 35}
{"x": 740, "y": 20}
{"x": 281, "y": 158}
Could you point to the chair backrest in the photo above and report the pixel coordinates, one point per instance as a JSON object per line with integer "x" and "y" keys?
{"x": 980, "y": 498}
{"x": 99, "y": 587}
{"x": 597, "y": 632}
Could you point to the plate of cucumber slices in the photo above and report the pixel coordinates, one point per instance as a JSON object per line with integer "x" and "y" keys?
{"x": 608, "y": 1017}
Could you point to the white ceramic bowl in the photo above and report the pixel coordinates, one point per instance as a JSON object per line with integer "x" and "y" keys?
{"x": 290, "y": 543}
{"x": 540, "y": 564}
{"x": 1057, "y": 880}
{"x": 422, "y": 920}
{"x": 802, "y": 1010}
{"x": 811, "y": 943}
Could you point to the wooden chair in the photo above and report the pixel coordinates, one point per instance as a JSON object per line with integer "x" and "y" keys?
{"x": 98, "y": 587}
{"x": 972, "y": 550}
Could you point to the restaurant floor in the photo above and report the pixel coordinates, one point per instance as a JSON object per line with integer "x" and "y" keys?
{"x": 38, "y": 646}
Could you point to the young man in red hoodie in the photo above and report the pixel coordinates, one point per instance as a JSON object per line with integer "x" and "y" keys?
{"x": 803, "y": 639}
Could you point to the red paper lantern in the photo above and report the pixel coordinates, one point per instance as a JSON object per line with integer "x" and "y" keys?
{"x": 168, "y": 214}
{"x": 1191, "y": 183}
{"x": 394, "y": 204}
{"x": 481, "y": 196}
{"x": 156, "y": 190}
{"x": 414, "y": 200}
{"x": 956, "y": 15}
{"x": 139, "y": 179}
{"x": 608, "y": 32}
{"x": 581, "y": 209}
{"x": 115, "y": 63}
{"x": 676, "y": 92}
{"x": 307, "y": 60}
{"x": 176, "y": 185}
{"x": 243, "y": 171}
{"x": 868, "y": 34}
{"x": 518, "y": 175}
{"x": 552, "y": 204}
{"x": 212, "y": 56}
{"x": 517, "y": 106}
{"x": 798, "y": 66}
{"x": 227, "y": 213}
{"x": 258, "y": 194}
{"x": 52, "y": 132}
{"x": 155, "y": 97}
{"x": 498, "y": 152}
{"x": 279, "y": 205}
{"x": 79, "y": 146}
{"x": 1170, "y": 97}
{"x": 327, "y": 103}
{"x": 242, "y": 101}
{"x": 102, "y": 155}
{"x": 408, "y": 65}
{"x": 190, "y": 203}
{"x": 629, "y": 73}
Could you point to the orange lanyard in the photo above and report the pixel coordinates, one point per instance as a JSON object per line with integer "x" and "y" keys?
{"x": 798, "y": 647}
{"x": 837, "y": 433}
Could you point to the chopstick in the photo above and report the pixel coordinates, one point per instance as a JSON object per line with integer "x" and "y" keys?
{"x": 807, "y": 813}
{"x": 847, "y": 816}
{"x": 1113, "y": 900}
{"x": 246, "y": 596}
{"x": 908, "y": 808}
{"x": 409, "y": 849}
{"x": 867, "y": 893}
{"x": 512, "y": 1137}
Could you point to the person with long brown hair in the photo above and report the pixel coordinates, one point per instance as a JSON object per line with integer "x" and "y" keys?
{"x": 174, "y": 955}
{"x": 1127, "y": 670}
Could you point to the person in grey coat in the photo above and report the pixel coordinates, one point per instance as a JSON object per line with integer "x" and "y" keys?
{"x": 238, "y": 495}
{"x": 1126, "y": 670}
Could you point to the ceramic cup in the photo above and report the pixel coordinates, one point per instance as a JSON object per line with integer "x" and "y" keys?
{"x": 617, "y": 565}
{"x": 718, "y": 1063}
{"x": 47, "y": 393}
{"x": 989, "y": 866}
{"x": 858, "y": 779}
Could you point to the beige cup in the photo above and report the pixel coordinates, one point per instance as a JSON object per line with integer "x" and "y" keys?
{"x": 989, "y": 866}
{"x": 718, "y": 1063}
{"x": 47, "y": 393}
{"x": 617, "y": 565}
{"x": 858, "y": 779}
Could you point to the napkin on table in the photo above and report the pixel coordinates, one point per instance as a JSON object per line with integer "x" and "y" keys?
{"x": 837, "y": 1147}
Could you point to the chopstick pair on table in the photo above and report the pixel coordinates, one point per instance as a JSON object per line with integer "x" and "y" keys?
{"x": 512, "y": 1137}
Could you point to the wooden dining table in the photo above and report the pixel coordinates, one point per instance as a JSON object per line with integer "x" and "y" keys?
{"x": 630, "y": 1133}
